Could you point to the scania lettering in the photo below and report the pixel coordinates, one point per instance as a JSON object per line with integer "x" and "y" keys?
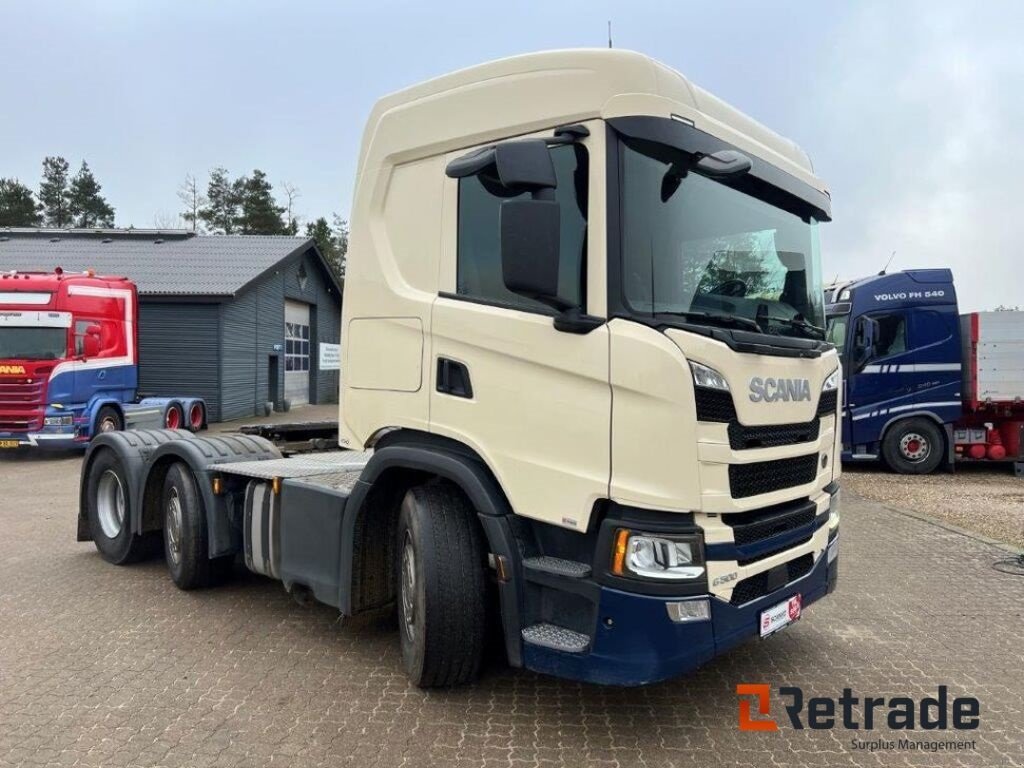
{"x": 565, "y": 270}
{"x": 69, "y": 362}
{"x": 926, "y": 386}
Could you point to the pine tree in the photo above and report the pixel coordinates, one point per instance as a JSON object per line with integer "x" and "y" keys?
{"x": 261, "y": 215}
{"x": 87, "y": 206}
{"x": 332, "y": 242}
{"x": 54, "y": 194}
{"x": 18, "y": 206}
{"x": 220, "y": 211}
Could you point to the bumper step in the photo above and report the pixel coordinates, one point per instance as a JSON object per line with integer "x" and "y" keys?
{"x": 555, "y": 637}
{"x": 557, "y": 566}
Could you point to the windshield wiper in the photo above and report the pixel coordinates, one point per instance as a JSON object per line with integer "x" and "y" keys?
{"x": 798, "y": 322}
{"x": 711, "y": 317}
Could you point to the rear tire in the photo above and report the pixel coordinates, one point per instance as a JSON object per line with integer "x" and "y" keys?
{"x": 914, "y": 446}
{"x": 108, "y": 508}
{"x": 440, "y": 562}
{"x": 174, "y": 417}
{"x": 185, "y": 541}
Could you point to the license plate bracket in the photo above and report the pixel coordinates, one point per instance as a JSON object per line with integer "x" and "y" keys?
{"x": 780, "y": 615}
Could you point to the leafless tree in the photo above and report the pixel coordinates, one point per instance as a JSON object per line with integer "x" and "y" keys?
{"x": 193, "y": 199}
{"x": 291, "y": 193}
{"x": 166, "y": 220}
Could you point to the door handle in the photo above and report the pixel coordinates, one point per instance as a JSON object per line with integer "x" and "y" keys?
{"x": 453, "y": 378}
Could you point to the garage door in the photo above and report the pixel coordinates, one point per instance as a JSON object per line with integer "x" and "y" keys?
{"x": 296, "y": 352}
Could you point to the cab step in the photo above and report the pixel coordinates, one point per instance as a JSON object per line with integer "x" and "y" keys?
{"x": 557, "y": 566}
{"x": 556, "y": 638}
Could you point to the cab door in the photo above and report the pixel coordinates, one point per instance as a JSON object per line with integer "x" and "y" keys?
{"x": 881, "y": 384}
{"x": 532, "y": 401}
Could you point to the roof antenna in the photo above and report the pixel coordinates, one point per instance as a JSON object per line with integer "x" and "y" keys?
{"x": 893, "y": 256}
{"x": 609, "y": 33}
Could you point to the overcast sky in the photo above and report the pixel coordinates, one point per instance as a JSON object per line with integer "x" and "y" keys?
{"x": 912, "y": 112}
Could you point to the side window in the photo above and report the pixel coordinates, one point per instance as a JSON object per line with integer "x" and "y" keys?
{"x": 80, "y": 326}
{"x": 892, "y": 334}
{"x": 479, "y": 273}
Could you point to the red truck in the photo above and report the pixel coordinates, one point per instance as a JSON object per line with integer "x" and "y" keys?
{"x": 69, "y": 362}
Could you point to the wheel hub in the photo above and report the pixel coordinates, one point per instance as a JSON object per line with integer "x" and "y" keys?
{"x": 173, "y": 523}
{"x": 408, "y": 588}
{"x": 914, "y": 446}
{"x": 110, "y": 503}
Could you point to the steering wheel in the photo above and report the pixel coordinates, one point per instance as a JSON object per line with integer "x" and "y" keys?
{"x": 734, "y": 288}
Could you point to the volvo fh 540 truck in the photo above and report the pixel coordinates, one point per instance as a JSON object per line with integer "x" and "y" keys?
{"x": 927, "y": 386}
{"x": 69, "y": 362}
{"x": 585, "y": 388}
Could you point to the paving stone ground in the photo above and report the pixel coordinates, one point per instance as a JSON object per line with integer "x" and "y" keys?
{"x": 114, "y": 666}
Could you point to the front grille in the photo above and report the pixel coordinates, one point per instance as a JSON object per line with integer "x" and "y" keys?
{"x": 760, "y": 524}
{"x": 771, "y": 435}
{"x": 21, "y": 404}
{"x": 714, "y": 405}
{"x": 767, "y": 476}
{"x": 766, "y": 582}
{"x": 774, "y": 551}
{"x": 827, "y": 403}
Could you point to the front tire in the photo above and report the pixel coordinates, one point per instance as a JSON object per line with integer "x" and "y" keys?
{"x": 108, "y": 508}
{"x": 108, "y": 419}
{"x": 440, "y": 568}
{"x": 913, "y": 447}
{"x": 185, "y": 540}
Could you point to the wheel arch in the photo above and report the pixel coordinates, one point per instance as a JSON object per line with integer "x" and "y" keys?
{"x": 403, "y": 458}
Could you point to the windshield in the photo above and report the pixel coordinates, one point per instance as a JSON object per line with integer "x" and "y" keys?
{"x": 33, "y": 343}
{"x": 694, "y": 246}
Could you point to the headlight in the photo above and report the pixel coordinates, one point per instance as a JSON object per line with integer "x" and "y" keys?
{"x": 657, "y": 557}
{"x": 832, "y": 382}
{"x": 58, "y": 421}
{"x": 708, "y": 377}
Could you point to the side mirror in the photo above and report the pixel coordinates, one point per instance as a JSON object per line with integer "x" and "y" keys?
{"x": 524, "y": 164}
{"x": 530, "y": 242}
{"x": 91, "y": 341}
{"x": 864, "y": 339}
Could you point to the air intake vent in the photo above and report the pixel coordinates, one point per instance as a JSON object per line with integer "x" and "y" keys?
{"x": 827, "y": 404}
{"x": 771, "y": 435}
{"x": 766, "y": 582}
{"x": 767, "y": 476}
{"x": 714, "y": 405}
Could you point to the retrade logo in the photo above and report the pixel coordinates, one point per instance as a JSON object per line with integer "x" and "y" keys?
{"x": 771, "y": 390}
{"x": 855, "y": 713}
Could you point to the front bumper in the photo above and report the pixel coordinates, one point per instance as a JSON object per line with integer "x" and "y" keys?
{"x": 56, "y": 438}
{"x": 636, "y": 642}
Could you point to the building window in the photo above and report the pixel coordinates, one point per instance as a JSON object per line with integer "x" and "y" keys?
{"x": 296, "y": 347}
{"x": 303, "y": 277}
{"x": 479, "y": 247}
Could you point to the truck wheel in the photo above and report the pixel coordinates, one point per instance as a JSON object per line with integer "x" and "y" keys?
{"x": 440, "y": 561}
{"x": 913, "y": 447}
{"x": 109, "y": 512}
{"x": 109, "y": 420}
{"x": 173, "y": 417}
{"x": 185, "y": 543}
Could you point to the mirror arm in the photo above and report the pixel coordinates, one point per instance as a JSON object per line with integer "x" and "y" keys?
{"x": 573, "y": 320}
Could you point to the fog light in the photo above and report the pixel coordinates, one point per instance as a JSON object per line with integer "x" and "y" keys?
{"x": 689, "y": 610}
{"x": 834, "y": 503}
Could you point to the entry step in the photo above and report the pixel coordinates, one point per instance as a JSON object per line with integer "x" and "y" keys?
{"x": 555, "y": 637}
{"x": 558, "y": 566}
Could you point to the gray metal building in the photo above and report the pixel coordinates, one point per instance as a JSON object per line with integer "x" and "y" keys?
{"x": 238, "y": 320}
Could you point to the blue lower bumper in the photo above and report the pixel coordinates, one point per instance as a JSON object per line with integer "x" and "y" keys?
{"x": 56, "y": 439}
{"x": 636, "y": 642}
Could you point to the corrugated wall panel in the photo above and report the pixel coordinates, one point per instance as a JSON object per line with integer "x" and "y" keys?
{"x": 178, "y": 351}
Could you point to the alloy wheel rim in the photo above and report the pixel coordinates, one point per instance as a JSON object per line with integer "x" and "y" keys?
{"x": 110, "y": 504}
{"x": 408, "y": 588}
{"x": 174, "y": 526}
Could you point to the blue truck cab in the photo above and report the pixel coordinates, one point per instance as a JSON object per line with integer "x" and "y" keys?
{"x": 899, "y": 340}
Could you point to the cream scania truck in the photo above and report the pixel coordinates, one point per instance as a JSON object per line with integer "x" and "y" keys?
{"x": 586, "y": 394}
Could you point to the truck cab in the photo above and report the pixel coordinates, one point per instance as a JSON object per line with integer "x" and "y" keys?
{"x": 899, "y": 336}
{"x": 585, "y": 387}
{"x": 68, "y": 362}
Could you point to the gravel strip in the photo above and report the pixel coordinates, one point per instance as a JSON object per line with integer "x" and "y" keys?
{"x": 986, "y": 500}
